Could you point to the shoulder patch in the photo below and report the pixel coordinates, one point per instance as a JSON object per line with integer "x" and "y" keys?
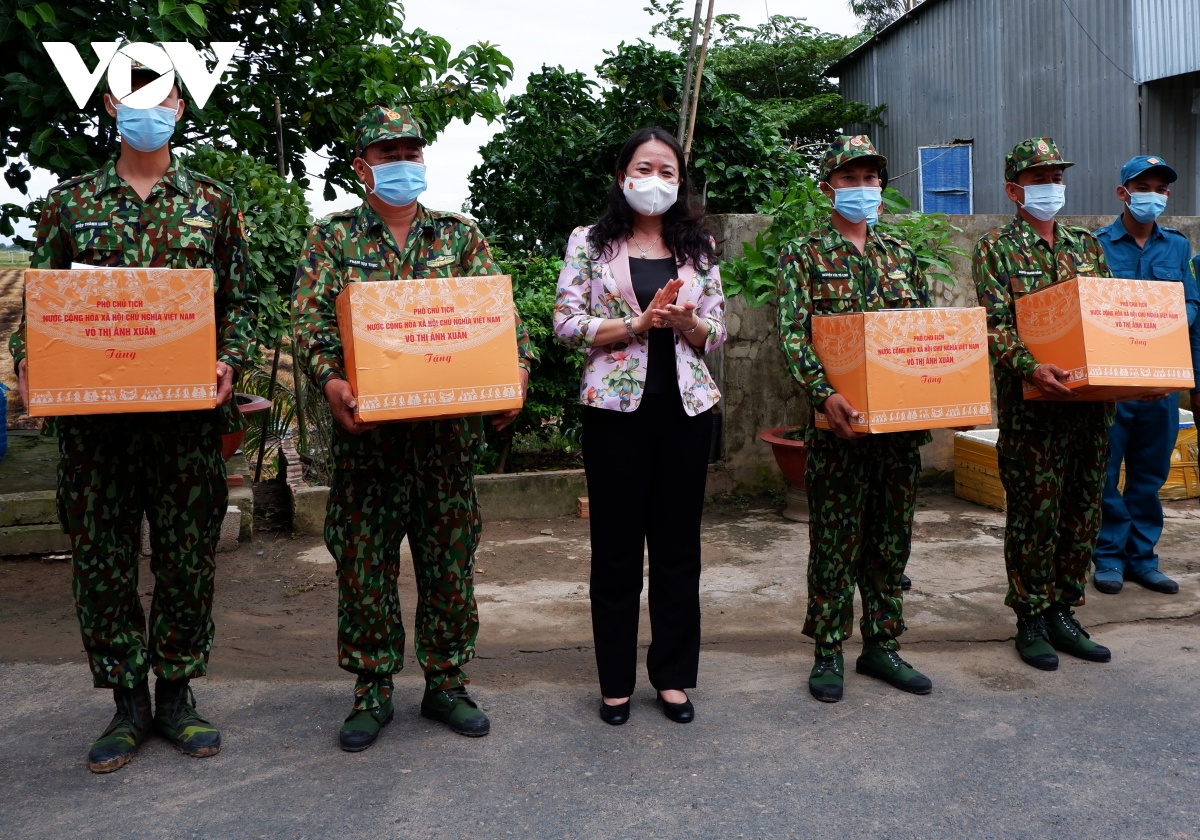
{"x": 446, "y": 214}
{"x": 208, "y": 179}
{"x": 73, "y": 182}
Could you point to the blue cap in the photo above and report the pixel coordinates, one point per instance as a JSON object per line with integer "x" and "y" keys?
{"x": 1136, "y": 166}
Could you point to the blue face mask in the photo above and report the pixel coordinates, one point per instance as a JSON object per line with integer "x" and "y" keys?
{"x": 857, "y": 204}
{"x": 146, "y": 129}
{"x": 399, "y": 183}
{"x": 1146, "y": 207}
{"x": 1043, "y": 201}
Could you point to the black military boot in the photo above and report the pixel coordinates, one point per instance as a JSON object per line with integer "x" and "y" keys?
{"x": 1067, "y": 635}
{"x": 130, "y": 726}
{"x": 1033, "y": 643}
{"x": 176, "y": 719}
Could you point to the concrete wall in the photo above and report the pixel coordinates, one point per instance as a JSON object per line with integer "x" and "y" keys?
{"x": 757, "y": 391}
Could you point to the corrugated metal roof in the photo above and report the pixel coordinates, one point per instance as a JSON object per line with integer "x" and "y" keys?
{"x": 886, "y": 32}
{"x": 1166, "y": 38}
{"x": 996, "y": 72}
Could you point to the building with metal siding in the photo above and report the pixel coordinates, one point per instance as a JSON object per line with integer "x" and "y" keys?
{"x": 1107, "y": 79}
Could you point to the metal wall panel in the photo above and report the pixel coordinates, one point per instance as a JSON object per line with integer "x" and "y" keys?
{"x": 996, "y": 72}
{"x": 1166, "y": 38}
{"x": 1172, "y": 131}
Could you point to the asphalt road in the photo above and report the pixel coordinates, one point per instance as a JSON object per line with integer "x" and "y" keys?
{"x": 999, "y": 750}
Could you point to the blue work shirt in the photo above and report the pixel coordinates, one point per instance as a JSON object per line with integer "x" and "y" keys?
{"x": 1166, "y": 256}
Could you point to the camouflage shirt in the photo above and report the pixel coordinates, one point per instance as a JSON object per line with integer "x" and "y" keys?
{"x": 821, "y": 273}
{"x": 356, "y": 246}
{"x": 1015, "y": 261}
{"x": 188, "y": 221}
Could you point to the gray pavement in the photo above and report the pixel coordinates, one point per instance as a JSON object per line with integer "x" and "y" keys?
{"x": 998, "y": 750}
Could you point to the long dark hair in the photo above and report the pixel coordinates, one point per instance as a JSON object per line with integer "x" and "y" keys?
{"x": 684, "y": 231}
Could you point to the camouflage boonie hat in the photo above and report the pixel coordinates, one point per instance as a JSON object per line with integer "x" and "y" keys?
{"x": 1036, "y": 151}
{"x": 844, "y": 149}
{"x": 382, "y": 123}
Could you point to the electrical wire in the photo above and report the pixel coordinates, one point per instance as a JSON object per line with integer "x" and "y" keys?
{"x": 1071, "y": 12}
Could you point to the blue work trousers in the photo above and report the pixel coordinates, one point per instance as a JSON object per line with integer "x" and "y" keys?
{"x": 1143, "y": 436}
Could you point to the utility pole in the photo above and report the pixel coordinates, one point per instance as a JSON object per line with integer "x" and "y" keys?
{"x": 687, "y": 147}
{"x": 687, "y": 84}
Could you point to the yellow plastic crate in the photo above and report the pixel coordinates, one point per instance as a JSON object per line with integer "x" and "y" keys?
{"x": 976, "y": 470}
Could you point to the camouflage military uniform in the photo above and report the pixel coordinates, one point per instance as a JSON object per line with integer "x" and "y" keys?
{"x": 169, "y": 465}
{"x": 1053, "y": 455}
{"x": 403, "y": 478}
{"x": 861, "y": 493}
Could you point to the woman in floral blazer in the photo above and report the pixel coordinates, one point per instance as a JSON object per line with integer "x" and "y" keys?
{"x": 647, "y": 320}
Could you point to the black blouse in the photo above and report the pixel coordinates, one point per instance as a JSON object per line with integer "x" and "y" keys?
{"x": 648, "y": 277}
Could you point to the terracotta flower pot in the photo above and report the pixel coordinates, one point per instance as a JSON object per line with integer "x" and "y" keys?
{"x": 249, "y": 405}
{"x": 790, "y": 455}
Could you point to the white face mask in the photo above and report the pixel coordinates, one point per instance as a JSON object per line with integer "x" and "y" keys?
{"x": 650, "y": 196}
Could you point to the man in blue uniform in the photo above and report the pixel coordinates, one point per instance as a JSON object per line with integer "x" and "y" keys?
{"x": 1144, "y": 431}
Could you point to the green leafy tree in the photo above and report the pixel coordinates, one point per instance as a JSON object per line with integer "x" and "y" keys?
{"x": 327, "y": 61}
{"x": 779, "y": 66}
{"x": 549, "y": 170}
{"x": 876, "y": 14}
{"x": 276, "y": 217}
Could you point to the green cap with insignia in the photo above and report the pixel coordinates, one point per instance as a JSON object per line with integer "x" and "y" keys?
{"x": 1036, "y": 151}
{"x": 382, "y": 123}
{"x": 846, "y": 148}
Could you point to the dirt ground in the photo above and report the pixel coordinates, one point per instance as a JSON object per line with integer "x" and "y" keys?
{"x": 275, "y": 608}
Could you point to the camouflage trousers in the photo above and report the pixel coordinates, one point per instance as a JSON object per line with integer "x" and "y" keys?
{"x": 861, "y": 498}
{"x": 427, "y": 495}
{"x": 112, "y": 469}
{"x": 1053, "y": 482}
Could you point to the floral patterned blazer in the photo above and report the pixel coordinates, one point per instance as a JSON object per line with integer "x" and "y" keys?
{"x": 592, "y": 288}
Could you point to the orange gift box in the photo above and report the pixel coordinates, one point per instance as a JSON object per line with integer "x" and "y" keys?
{"x": 120, "y": 340}
{"x": 907, "y": 369}
{"x": 1118, "y": 339}
{"x": 430, "y": 348}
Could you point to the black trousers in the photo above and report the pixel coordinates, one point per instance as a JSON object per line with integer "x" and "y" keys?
{"x": 646, "y": 471}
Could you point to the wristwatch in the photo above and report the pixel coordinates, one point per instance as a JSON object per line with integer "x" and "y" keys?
{"x": 629, "y": 326}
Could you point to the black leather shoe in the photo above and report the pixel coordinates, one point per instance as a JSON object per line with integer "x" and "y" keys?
{"x": 683, "y": 712}
{"x": 905, "y": 583}
{"x": 614, "y": 715}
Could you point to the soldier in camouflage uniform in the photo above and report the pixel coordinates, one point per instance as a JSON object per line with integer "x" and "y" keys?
{"x": 1054, "y": 452}
{"x": 144, "y": 209}
{"x": 402, "y": 478}
{"x": 861, "y": 488}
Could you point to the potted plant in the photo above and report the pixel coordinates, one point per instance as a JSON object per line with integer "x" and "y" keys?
{"x": 249, "y": 405}
{"x": 792, "y": 457}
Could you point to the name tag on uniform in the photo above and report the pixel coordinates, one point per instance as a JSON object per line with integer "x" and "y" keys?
{"x": 1029, "y": 273}
{"x": 92, "y": 225}
{"x": 438, "y": 262}
{"x": 357, "y": 263}
{"x": 198, "y": 222}
{"x": 896, "y": 275}
{"x": 834, "y": 275}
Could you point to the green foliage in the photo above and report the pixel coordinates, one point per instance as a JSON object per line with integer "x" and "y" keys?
{"x": 778, "y": 65}
{"x": 876, "y": 14}
{"x": 549, "y": 170}
{"x": 928, "y": 234}
{"x": 276, "y": 220}
{"x": 552, "y": 403}
{"x": 328, "y": 61}
{"x": 755, "y": 275}
{"x": 279, "y": 419}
